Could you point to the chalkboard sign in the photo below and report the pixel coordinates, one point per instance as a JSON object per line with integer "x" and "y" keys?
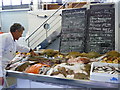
{"x": 101, "y": 30}
{"x": 73, "y": 30}
{"x": 88, "y": 30}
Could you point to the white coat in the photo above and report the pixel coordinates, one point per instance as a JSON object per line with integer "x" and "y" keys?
{"x": 8, "y": 48}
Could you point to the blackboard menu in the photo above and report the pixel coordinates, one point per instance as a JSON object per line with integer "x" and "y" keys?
{"x": 101, "y": 30}
{"x": 73, "y": 30}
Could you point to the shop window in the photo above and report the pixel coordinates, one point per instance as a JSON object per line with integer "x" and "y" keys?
{"x": 15, "y": 4}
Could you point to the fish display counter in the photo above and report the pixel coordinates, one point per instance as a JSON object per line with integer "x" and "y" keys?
{"x": 55, "y": 82}
{"x": 52, "y": 69}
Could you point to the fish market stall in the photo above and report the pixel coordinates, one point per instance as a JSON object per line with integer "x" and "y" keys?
{"x": 28, "y": 79}
{"x": 52, "y": 69}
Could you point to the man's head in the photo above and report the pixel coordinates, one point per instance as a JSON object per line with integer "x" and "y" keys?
{"x": 16, "y": 30}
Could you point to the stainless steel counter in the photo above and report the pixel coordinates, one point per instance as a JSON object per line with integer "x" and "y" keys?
{"x": 61, "y": 81}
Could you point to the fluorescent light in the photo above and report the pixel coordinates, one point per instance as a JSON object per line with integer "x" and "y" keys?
{"x": 0, "y": 3}
{"x": 6, "y": 2}
{"x": 25, "y": 1}
{"x": 16, "y": 2}
{"x": 47, "y": 0}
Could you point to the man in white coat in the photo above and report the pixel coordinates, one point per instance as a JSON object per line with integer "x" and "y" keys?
{"x": 9, "y": 46}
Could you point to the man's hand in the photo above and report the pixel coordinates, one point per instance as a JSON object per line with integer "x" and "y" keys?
{"x": 33, "y": 53}
{"x": 1, "y": 81}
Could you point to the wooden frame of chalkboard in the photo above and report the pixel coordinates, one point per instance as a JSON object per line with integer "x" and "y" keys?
{"x": 73, "y": 30}
{"x": 88, "y": 30}
{"x": 101, "y": 6}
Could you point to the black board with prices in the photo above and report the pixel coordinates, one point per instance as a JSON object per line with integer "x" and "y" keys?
{"x": 86, "y": 30}
{"x": 73, "y": 30}
{"x": 100, "y": 29}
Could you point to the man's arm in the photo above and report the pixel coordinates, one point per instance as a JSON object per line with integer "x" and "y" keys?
{"x": 3, "y": 44}
{"x": 1, "y": 72}
{"x": 22, "y": 48}
{"x": 1, "y": 81}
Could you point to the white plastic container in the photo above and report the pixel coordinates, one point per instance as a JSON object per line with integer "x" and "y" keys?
{"x": 104, "y": 76}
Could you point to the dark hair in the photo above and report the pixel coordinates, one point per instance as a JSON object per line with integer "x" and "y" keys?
{"x": 16, "y": 26}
